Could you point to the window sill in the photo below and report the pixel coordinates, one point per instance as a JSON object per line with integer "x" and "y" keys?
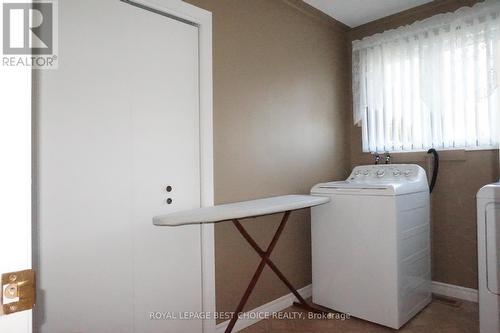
{"x": 438, "y": 149}
{"x": 444, "y": 155}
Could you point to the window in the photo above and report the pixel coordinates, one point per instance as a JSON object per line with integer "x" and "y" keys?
{"x": 430, "y": 84}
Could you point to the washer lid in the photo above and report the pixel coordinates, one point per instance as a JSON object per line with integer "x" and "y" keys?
{"x": 391, "y": 179}
{"x": 351, "y": 185}
{"x": 347, "y": 187}
{"x": 490, "y": 191}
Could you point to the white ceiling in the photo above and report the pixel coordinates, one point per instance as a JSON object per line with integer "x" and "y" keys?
{"x": 358, "y": 12}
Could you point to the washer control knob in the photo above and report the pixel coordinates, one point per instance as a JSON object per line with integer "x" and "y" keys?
{"x": 407, "y": 173}
{"x": 380, "y": 173}
{"x": 396, "y": 173}
{"x": 366, "y": 172}
{"x": 357, "y": 173}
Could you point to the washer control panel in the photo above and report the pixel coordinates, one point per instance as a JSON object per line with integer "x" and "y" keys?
{"x": 387, "y": 172}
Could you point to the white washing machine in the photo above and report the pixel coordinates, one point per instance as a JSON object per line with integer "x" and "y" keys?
{"x": 371, "y": 244}
{"x": 488, "y": 240}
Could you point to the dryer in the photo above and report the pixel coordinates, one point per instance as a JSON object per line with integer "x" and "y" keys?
{"x": 371, "y": 244}
{"x": 488, "y": 240}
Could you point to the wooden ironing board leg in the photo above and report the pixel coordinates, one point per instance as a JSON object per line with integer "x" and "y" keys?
{"x": 265, "y": 260}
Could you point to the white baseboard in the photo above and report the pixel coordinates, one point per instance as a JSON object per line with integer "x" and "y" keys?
{"x": 273, "y": 306}
{"x": 451, "y": 290}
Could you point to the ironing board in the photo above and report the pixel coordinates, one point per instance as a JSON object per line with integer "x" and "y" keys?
{"x": 246, "y": 209}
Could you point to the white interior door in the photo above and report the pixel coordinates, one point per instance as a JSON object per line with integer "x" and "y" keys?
{"x": 15, "y": 183}
{"x": 118, "y": 122}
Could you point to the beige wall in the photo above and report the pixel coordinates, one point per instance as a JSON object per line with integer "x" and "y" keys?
{"x": 281, "y": 83}
{"x": 461, "y": 175}
{"x": 282, "y": 112}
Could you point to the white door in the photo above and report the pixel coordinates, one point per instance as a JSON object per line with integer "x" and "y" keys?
{"x": 118, "y": 123}
{"x": 15, "y": 183}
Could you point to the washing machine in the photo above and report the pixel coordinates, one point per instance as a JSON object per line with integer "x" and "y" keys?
{"x": 488, "y": 240}
{"x": 371, "y": 244}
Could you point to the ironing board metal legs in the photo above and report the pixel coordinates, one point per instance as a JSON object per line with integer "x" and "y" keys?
{"x": 265, "y": 259}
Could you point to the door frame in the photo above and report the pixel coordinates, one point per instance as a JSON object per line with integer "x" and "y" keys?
{"x": 203, "y": 20}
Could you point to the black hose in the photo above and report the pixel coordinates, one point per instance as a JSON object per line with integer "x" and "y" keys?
{"x": 435, "y": 169}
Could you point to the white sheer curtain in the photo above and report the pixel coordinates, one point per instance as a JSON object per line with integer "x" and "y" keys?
{"x": 430, "y": 84}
